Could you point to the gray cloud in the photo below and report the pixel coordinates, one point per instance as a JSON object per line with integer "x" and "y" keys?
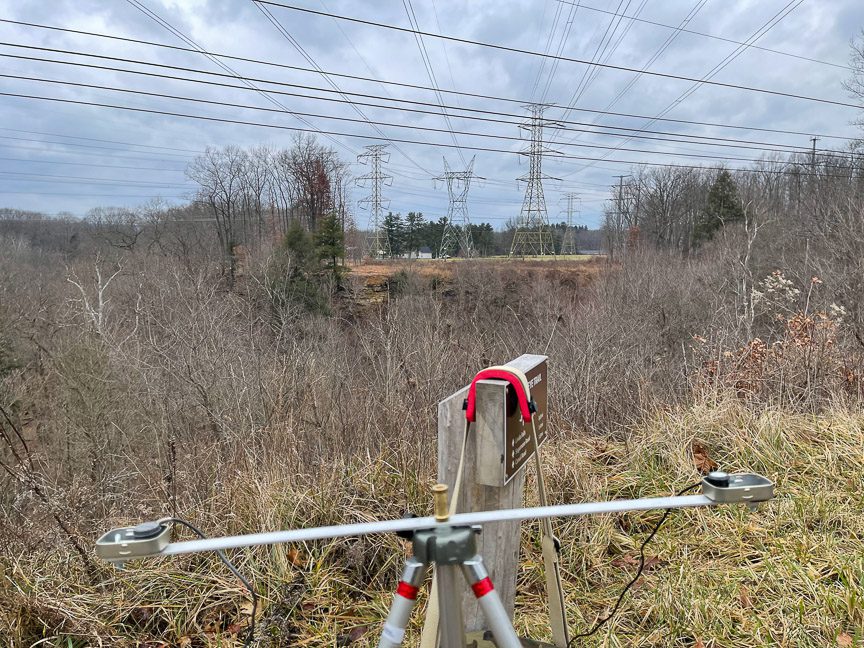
{"x": 815, "y": 29}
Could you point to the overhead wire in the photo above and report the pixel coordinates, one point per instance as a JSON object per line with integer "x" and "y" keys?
{"x": 400, "y": 84}
{"x": 108, "y": 180}
{"x": 562, "y": 125}
{"x": 761, "y": 31}
{"x": 96, "y": 139}
{"x": 663, "y": 47}
{"x": 588, "y": 75}
{"x": 295, "y": 43}
{"x": 518, "y": 50}
{"x": 78, "y": 163}
{"x": 173, "y": 30}
{"x": 710, "y": 36}
{"x": 412, "y": 127}
{"x": 224, "y": 120}
{"x": 541, "y": 66}
{"x": 427, "y": 62}
{"x": 571, "y": 17}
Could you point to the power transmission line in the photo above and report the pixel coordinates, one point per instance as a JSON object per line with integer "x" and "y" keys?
{"x": 705, "y": 35}
{"x": 95, "y": 139}
{"x": 786, "y": 148}
{"x": 588, "y": 74}
{"x": 287, "y": 35}
{"x": 571, "y": 17}
{"x": 88, "y": 146}
{"x": 638, "y": 133}
{"x": 85, "y": 164}
{"x": 517, "y": 50}
{"x": 382, "y": 81}
{"x": 761, "y": 31}
{"x": 663, "y": 47}
{"x": 427, "y": 62}
{"x": 107, "y": 180}
{"x": 164, "y": 23}
{"x": 400, "y": 140}
{"x": 80, "y": 195}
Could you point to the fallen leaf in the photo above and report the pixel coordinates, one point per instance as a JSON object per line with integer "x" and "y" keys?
{"x": 296, "y": 558}
{"x": 744, "y": 598}
{"x": 844, "y": 640}
{"x": 355, "y": 633}
{"x": 704, "y": 463}
{"x": 625, "y": 561}
{"x": 699, "y": 643}
{"x": 184, "y": 641}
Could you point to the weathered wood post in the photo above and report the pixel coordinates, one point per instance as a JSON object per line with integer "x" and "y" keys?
{"x": 494, "y": 475}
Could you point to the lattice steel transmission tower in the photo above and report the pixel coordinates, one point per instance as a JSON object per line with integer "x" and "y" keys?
{"x": 457, "y": 231}
{"x": 533, "y": 236}
{"x": 377, "y": 241}
{"x": 568, "y": 242}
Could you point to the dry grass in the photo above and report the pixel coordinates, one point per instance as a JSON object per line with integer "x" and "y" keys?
{"x": 789, "y": 574}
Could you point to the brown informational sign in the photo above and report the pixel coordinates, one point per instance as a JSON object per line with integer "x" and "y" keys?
{"x": 518, "y": 439}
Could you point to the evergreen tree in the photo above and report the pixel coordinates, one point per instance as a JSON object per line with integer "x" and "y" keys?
{"x": 330, "y": 245}
{"x": 394, "y": 228}
{"x": 723, "y": 207}
{"x": 414, "y": 230}
{"x": 292, "y": 276}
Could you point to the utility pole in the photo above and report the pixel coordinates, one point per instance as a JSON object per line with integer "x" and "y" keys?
{"x": 568, "y": 243}
{"x": 813, "y": 155}
{"x": 619, "y": 215}
{"x": 621, "y": 197}
{"x": 458, "y": 183}
{"x": 377, "y": 240}
{"x": 533, "y": 236}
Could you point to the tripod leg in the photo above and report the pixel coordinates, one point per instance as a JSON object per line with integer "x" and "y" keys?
{"x": 403, "y": 602}
{"x": 496, "y": 616}
{"x": 451, "y": 628}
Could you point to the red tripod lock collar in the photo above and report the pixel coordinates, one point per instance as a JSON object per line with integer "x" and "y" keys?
{"x": 496, "y": 373}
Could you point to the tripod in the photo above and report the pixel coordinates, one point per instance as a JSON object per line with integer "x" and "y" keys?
{"x": 451, "y": 549}
{"x": 450, "y": 543}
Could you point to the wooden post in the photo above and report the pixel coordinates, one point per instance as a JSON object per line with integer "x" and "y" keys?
{"x": 484, "y": 462}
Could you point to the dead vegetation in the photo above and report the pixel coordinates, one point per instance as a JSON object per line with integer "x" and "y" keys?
{"x": 138, "y": 382}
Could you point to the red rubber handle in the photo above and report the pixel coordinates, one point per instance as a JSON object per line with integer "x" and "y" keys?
{"x": 499, "y": 374}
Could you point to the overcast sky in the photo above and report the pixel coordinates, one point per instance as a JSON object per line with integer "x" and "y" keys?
{"x": 76, "y": 174}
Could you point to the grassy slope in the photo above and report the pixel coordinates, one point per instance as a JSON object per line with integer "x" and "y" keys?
{"x": 790, "y": 574}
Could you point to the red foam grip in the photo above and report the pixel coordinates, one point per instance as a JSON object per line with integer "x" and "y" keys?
{"x": 482, "y": 588}
{"x": 406, "y": 591}
{"x": 500, "y": 374}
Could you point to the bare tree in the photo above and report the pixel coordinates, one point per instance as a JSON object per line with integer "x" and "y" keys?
{"x": 221, "y": 175}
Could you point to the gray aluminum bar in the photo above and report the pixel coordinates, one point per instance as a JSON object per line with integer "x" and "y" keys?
{"x": 415, "y": 524}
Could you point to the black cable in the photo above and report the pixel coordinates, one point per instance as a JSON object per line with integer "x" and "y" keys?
{"x": 176, "y": 32}
{"x": 250, "y": 633}
{"x": 638, "y": 133}
{"x": 96, "y": 139}
{"x": 409, "y": 141}
{"x": 413, "y": 127}
{"x": 639, "y": 571}
{"x": 704, "y": 35}
{"x": 517, "y": 50}
{"x": 759, "y": 33}
{"x": 287, "y": 35}
{"x": 399, "y": 84}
